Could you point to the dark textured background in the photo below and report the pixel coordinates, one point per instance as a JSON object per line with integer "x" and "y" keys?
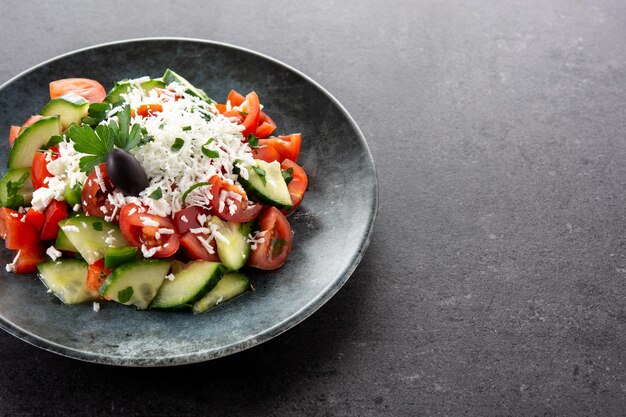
{"x": 495, "y": 280}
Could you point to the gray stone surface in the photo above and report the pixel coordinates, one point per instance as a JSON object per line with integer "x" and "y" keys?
{"x": 495, "y": 280}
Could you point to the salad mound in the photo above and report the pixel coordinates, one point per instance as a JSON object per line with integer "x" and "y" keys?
{"x": 152, "y": 195}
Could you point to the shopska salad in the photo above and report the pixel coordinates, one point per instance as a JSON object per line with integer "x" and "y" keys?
{"x": 152, "y": 195}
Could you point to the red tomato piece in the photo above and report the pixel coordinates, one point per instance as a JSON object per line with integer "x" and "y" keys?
{"x": 235, "y": 98}
{"x": 266, "y": 153}
{"x": 196, "y": 250}
{"x": 91, "y": 90}
{"x": 36, "y": 218}
{"x": 146, "y": 110}
{"x": 288, "y": 146}
{"x": 274, "y": 250}
{"x": 139, "y": 230}
{"x": 28, "y": 259}
{"x": 221, "y": 108}
{"x": 96, "y": 274}
{"x": 55, "y": 212}
{"x": 17, "y": 234}
{"x": 297, "y": 185}
{"x": 251, "y": 121}
{"x": 39, "y": 171}
{"x": 95, "y": 201}
{"x": 190, "y": 214}
{"x": 245, "y": 210}
{"x": 266, "y": 126}
{"x": 13, "y": 134}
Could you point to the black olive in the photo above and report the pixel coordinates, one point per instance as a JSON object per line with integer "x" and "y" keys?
{"x": 126, "y": 173}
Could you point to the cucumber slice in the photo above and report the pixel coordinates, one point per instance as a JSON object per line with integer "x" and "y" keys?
{"x": 91, "y": 236}
{"x": 270, "y": 189}
{"x": 230, "y": 286}
{"x": 26, "y": 191}
{"x": 114, "y": 257}
{"x": 189, "y": 285}
{"x": 71, "y": 108}
{"x": 63, "y": 243}
{"x": 123, "y": 87}
{"x": 67, "y": 279}
{"x": 232, "y": 246}
{"x": 73, "y": 195}
{"x": 31, "y": 140}
{"x": 136, "y": 283}
{"x": 170, "y": 77}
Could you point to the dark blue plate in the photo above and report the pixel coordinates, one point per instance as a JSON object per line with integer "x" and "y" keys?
{"x": 331, "y": 228}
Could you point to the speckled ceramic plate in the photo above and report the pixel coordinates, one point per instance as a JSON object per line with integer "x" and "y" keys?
{"x": 331, "y": 228}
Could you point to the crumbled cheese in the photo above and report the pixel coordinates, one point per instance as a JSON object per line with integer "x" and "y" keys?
{"x": 110, "y": 240}
{"x": 96, "y": 306}
{"x": 76, "y": 207}
{"x": 23, "y": 219}
{"x": 14, "y": 215}
{"x": 11, "y": 267}
{"x": 255, "y": 238}
{"x": 147, "y": 221}
{"x": 70, "y": 228}
{"x": 206, "y": 244}
{"x": 201, "y": 218}
{"x": 184, "y": 219}
{"x": 103, "y": 187}
{"x": 148, "y": 253}
{"x": 53, "y": 253}
{"x": 166, "y": 231}
{"x": 198, "y": 230}
{"x": 170, "y": 277}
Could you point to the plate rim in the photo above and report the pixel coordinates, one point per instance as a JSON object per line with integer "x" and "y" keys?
{"x": 264, "y": 335}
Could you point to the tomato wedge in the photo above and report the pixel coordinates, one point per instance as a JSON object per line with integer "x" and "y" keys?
{"x": 55, "y": 212}
{"x": 288, "y": 146}
{"x": 265, "y": 153}
{"x": 96, "y": 274}
{"x": 95, "y": 201}
{"x": 36, "y": 218}
{"x": 235, "y": 98}
{"x": 91, "y": 90}
{"x": 152, "y": 234}
{"x": 297, "y": 185}
{"x": 16, "y": 231}
{"x": 196, "y": 250}
{"x": 39, "y": 170}
{"x": 266, "y": 126}
{"x": 227, "y": 195}
{"x": 146, "y": 110}
{"x": 274, "y": 250}
{"x": 251, "y": 121}
{"x": 28, "y": 259}
{"x": 190, "y": 215}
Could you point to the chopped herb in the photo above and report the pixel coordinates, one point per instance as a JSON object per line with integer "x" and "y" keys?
{"x": 156, "y": 194}
{"x": 97, "y": 113}
{"x": 209, "y": 153}
{"x": 277, "y": 245}
{"x": 97, "y": 226}
{"x": 193, "y": 187}
{"x": 54, "y": 140}
{"x": 161, "y": 126}
{"x": 13, "y": 199}
{"x": 261, "y": 173}
{"x": 178, "y": 144}
{"x": 253, "y": 141}
{"x": 125, "y": 295}
{"x": 186, "y": 128}
{"x": 287, "y": 175}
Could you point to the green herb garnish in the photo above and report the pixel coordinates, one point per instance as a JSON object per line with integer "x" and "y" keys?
{"x": 261, "y": 173}
{"x": 156, "y": 194}
{"x": 13, "y": 199}
{"x": 193, "y": 187}
{"x": 186, "y": 128}
{"x": 97, "y": 226}
{"x": 125, "y": 295}
{"x": 287, "y": 175}
{"x": 178, "y": 144}
{"x": 253, "y": 141}
{"x": 209, "y": 153}
{"x": 54, "y": 140}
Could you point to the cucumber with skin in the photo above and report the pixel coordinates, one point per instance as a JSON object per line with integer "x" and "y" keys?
{"x": 71, "y": 108}
{"x": 265, "y": 184}
{"x": 31, "y": 140}
{"x": 91, "y": 236}
{"x": 230, "y": 286}
{"x": 136, "y": 283}
{"x": 63, "y": 243}
{"x": 123, "y": 87}
{"x": 189, "y": 285}
{"x": 114, "y": 257}
{"x": 170, "y": 77}
{"x": 26, "y": 191}
{"x": 233, "y": 247}
{"x": 67, "y": 279}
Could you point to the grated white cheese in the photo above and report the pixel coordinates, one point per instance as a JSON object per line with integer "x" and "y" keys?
{"x": 53, "y": 253}
{"x": 70, "y": 228}
{"x": 170, "y": 277}
{"x": 184, "y": 219}
{"x": 96, "y": 306}
{"x": 148, "y": 253}
{"x": 147, "y": 221}
{"x": 11, "y": 267}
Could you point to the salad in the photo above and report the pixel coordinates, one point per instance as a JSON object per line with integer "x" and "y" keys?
{"x": 151, "y": 195}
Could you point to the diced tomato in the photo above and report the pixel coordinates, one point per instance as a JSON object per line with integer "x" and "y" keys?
{"x": 28, "y": 259}
{"x": 39, "y": 170}
{"x": 265, "y": 153}
{"x": 196, "y": 250}
{"x": 288, "y": 146}
{"x": 13, "y": 134}
{"x": 251, "y": 121}
{"x": 266, "y": 127}
{"x": 16, "y": 231}
{"x": 140, "y": 235}
{"x": 96, "y": 274}
{"x": 245, "y": 210}
{"x": 91, "y": 90}
{"x": 146, "y": 110}
{"x": 32, "y": 119}
{"x": 95, "y": 201}
{"x": 164, "y": 93}
{"x": 221, "y": 108}
{"x": 55, "y": 212}
{"x": 274, "y": 250}
{"x": 36, "y": 218}
{"x": 235, "y": 98}
{"x": 190, "y": 214}
{"x": 297, "y": 185}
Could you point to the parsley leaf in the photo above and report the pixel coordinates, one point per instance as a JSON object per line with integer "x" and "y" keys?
{"x": 178, "y": 144}
{"x": 261, "y": 173}
{"x": 253, "y": 141}
{"x": 87, "y": 141}
{"x": 54, "y": 140}
{"x": 193, "y": 187}
{"x": 89, "y": 162}
{"x": 97, "y": 113}
{"x": 13, "y": 199}
{"x": 287, "y": 175}
{"x": 209, "y": 153}
{"x": 156, "y": 194}
{"x": 186, "y": 128}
